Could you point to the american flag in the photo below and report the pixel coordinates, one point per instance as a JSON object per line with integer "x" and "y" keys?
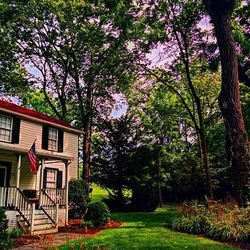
{"x": 32, "y": 158}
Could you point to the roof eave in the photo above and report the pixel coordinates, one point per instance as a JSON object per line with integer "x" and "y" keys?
{"x": 71, "y": 129}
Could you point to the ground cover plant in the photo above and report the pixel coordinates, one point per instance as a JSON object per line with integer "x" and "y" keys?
{"x": 145, "y": 230}
{"x": 217, "y": 220}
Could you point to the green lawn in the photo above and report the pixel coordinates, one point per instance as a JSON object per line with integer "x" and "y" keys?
{"x": 147, "y": 231}
{"x": 98, "y": 193}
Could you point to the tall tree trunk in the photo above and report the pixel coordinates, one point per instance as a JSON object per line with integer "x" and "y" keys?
{"x": 229, "y": 99}
{"x": 158, "y": 166}
{"x": 87, "y": 136}
{"x": 86, "y": 151}
{"x": 204, "y": 153}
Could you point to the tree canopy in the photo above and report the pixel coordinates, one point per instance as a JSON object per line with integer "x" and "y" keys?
{"x": 175, "y": 67}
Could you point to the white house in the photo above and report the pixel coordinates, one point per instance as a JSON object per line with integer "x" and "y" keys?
{"x": 36, "y": 202}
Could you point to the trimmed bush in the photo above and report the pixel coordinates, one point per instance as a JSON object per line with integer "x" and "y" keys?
{"x": 216, "y": 220}
{"x": 78, "y": 197}
{"x": 98, "y": 213}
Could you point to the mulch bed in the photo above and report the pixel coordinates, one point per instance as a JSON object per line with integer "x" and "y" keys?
{"x": 27, "y": 239}
{"x": 74, "y": 227}
{"x": 242, "y": 245}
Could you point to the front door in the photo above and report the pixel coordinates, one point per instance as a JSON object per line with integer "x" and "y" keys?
{"x": 3, "y": 182}
{"x": 3, "y": 176}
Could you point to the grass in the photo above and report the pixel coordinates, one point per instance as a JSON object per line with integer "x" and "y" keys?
{"x": 147, "y": 231}
{"x": 98, "y": 193}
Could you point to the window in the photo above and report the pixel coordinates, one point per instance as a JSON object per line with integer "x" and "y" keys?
{"x": 6, "y": 126}
{"x": 51, "y": 178}
{"x": 53, "y": 139}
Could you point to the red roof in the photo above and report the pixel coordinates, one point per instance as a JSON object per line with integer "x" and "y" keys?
{"x": 33, "y": 113}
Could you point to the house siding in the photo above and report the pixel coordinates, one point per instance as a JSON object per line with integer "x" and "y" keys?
{"x": 30, "y": 131}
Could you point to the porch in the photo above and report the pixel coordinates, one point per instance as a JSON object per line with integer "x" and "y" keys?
{"x": 36, "y": 199}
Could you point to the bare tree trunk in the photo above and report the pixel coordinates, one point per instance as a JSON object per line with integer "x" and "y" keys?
{"x": 86, "y": 151}
{"x": 87, "y": 137}
{"x": 203, "y": 145}
{"x": 229, "y": 99}
{"x": 158, "y": 166}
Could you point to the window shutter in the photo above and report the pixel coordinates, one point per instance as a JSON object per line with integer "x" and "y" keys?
{"x": 60, "y": 140}
{"x": 45, "y": 136}
{"x": 44, "y": 178}
{"x": 15, "y": 130}
{"x": 59, "y": 179}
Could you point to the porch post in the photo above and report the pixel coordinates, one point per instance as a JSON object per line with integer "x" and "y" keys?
{"x": 66, "y": 192}
{"x": 41, "y": 182}
{"x": 18, "y": 170}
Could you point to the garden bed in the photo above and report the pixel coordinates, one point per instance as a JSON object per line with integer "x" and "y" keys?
{"x": 73, "y": 228}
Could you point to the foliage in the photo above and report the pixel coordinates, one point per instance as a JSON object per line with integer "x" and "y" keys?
{"x": 88, "y": 224}
{"x": 98, "y": 212}
{"x": 144, "y": 199}
{"x": 12, "y": 73}
{"x": 3, "y": 225}
{"x": 5, "y": 241}
{"x": 245, "y": 100}
{"x": 98, "y": 193}
{"x": 78, "y": 197}
{"x": 147, "y": 231}
{"x": 223, "y": 221}
{"x": 15, "y": 233}
{"x": 121, "y": 156}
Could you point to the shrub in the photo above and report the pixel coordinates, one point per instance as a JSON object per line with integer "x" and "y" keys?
{"x": 3, "y": 225}
{"x": 88, "y": 224}
{"x": 216, "y": 220}
{"x": 78, "y": 197}
{"x": 192, "y": 224}
{"x": 15, "y": 233}
{"x": 98, "y": 213}
{"x": 5, "y": 241}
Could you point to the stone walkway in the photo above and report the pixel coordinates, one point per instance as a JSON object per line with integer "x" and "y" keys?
{"x": 51, "y": 240}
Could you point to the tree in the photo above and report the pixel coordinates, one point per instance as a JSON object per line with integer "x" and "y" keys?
{"x": 167, "y": 124}
{"x": 229, "y": 99}
{"x": 112, "y": 143}
{"x": 182, "y": 41}
{"x": 12, "y": 74}
{"x": 78, "y": 49}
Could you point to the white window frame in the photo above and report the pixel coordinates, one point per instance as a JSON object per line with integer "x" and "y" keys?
{"x": 49, "y": 182}
{"x": 52, "y": 139}
{"x": 11, "y": 129}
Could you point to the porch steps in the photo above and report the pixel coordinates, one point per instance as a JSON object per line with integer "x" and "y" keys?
{"x": 42, "y": 224}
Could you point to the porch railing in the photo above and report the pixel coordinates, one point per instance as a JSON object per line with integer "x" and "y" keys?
{"x": 25, "y": 208}
{"x": 57, "y": 195}
{"x": 7, "y": 197}
{"x": 49, "y": 207}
